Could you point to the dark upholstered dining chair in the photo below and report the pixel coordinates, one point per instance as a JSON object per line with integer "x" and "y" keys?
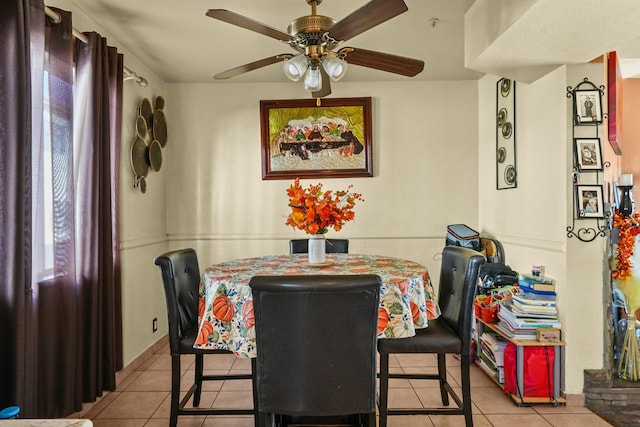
{"x": 448, "y": 334}
{"x": 333, "y": 246}
{"x": 492, "y": 249}
{"x": 181, "y": 279}
{"x": 316, "y": 346}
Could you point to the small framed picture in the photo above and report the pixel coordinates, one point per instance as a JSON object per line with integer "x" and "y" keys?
{"x": 587, "y": 106}
{"x": 590, "y": 201}
{"x": 588, "y": 154}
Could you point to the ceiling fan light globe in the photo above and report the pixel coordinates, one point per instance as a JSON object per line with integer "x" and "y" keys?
{"x": 335, "y": 67}
{"x": 294, "y": 68}
{"x": 313, "y": 80}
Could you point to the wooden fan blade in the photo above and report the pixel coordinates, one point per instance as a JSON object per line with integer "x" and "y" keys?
{"x": 326, "y": 85}
{"x": 382, "y": 61}
{"x": 251, "y": 66}
{"x": 368, "y": 16}
{"x": 248, "y": 23}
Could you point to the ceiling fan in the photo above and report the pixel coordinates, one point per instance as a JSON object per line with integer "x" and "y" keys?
{"x": 315, "y": 38}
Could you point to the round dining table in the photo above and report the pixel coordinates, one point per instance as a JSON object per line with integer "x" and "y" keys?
{"x": 226, "y": 319}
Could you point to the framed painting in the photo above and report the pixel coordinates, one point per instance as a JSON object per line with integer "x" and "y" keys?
{"x": 301, "y": 139}
{"x": 590, "y": 201}
{"x": 587, "y": 106}
{"x": 588, "y": 154}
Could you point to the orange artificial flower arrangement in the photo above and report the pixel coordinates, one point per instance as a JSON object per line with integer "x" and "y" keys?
{"x": 315, "y": 211}
{"x": 628, "y": 229}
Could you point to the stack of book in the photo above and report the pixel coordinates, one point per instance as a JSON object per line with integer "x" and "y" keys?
{"x": 491, "y": 354}
{"x": 537, "y": 284}
{"x": 532, "y": 308}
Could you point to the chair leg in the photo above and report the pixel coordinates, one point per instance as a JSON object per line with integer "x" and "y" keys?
{"x": 259, "y": 419}
{"x": 442, "y": 373}
{"x": 466, "y": 390}
{"x": 384, "y": 390}
{"x": 175, "y": 390}
{"x": 371, "y": 419}
{"x": 198, "y": 379}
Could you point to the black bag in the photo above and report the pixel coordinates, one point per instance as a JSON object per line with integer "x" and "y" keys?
{"x": 461, "y": 235}
{"x": 495, "y": 275}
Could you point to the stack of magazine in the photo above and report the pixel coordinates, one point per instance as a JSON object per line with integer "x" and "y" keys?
{"x": 530, "y": 309}
{"x": 491, "y": 354}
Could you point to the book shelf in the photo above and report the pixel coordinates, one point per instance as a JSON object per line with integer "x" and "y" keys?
{"x": 520, "y": 345}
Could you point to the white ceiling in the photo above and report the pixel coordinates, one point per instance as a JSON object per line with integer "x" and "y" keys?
{"x": 179, "y": 43}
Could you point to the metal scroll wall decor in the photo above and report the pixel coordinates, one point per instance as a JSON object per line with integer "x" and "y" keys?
{"x": 506, "y": 171}
{"x": 149, "y": 140}
{"x": 588, "y": 165}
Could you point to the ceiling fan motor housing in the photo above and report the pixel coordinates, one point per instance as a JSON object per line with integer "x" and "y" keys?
{"x": 310, "y": 24}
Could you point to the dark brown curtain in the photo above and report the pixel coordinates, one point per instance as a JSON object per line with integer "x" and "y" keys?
{"x": 54, "y": 271}
{"x": 18, "y": 20}
{"x": 97, "y": 135}
{"x": 60, "y": 302}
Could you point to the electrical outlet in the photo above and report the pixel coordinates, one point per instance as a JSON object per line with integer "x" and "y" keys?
{"x": 155, "y": 324}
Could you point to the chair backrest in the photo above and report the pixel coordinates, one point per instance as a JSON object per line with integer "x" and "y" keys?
{"x": 458, "y": 280}
{"x": 316, "y": 343}
{"x": 492, "y": 249}
{"x": 333, "y": 246}
{"x": 181, "y": 280}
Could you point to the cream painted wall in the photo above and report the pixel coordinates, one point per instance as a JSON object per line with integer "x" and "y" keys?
{"x": 424, "y": 149}
{"x": 143, "y": 227}
{"x": 531, "y": 220}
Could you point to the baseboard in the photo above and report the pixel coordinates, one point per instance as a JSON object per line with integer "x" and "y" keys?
{"x": 142, "y": 358}
{"x": 575, "y": 399}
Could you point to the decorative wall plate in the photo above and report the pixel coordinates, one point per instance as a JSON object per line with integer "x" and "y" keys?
{"x": 146, "y": 110}
{"x": 155, "y": 155}
{"x": 510, "y": 174}
{"x": 141, "y": 127}
{"x": 502, "y": 117}
{"x": 159, "y": 103}
{"x": 507, "y": 129}
{"x": 505, "y": 87}
{"x": 501, "y": 155}
{"x": 160, "y": 127}
{"x": 139, "y": 157}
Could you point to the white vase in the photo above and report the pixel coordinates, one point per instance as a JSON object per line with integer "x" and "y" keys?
{"x": 317, "y": 249}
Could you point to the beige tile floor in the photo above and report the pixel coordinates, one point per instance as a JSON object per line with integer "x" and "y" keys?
{"x": 142, "y": 398}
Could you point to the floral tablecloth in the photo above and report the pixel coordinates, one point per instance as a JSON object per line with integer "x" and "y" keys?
{"x": 407, "y": 299}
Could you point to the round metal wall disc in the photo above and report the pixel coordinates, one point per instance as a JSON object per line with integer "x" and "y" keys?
{"x": 155, "y": 155}
{"x": 141, "y": 127}
{"x": 146, "y": 110}
{"x": 159, "y": 103}
{"x": 160, "y": 127}
{"x": 139, "y": 160}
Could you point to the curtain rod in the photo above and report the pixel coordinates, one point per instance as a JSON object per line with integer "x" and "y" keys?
{"x": 129, "y": 74}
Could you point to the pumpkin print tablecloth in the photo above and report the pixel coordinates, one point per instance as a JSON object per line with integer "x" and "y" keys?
{"x": 407, "y": 299}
